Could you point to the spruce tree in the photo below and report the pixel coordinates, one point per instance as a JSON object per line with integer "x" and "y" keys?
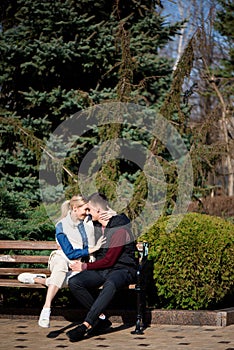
{"x": 58, "y": 58}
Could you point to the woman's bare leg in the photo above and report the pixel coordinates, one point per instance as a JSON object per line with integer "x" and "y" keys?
{"x": 44, "y": 319}
{"x": 51, "y": 292}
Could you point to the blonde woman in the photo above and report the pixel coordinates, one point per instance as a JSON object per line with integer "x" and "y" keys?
{"x": 76, "y": 241}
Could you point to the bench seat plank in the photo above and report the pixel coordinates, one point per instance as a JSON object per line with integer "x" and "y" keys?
{"x": 15, "y": 283}
{"x": 7, "y": 282}
{"x": 15, "y": 271}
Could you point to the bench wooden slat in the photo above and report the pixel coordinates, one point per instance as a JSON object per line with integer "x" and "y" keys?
{"x": 131, "y": 286}
{"x": 15, "y": 271}
{"x": 15, "y": 283}
{"x": 6, "y": 282}
{"x": 24, "y": 258}
{"x": 34, "y": 245}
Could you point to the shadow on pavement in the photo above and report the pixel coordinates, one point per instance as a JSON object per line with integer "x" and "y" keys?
{"x": 55, "y": 334}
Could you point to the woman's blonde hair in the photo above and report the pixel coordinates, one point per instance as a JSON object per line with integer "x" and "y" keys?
{"x": 76, "y": 200}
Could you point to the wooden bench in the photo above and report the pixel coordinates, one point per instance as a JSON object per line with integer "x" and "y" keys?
{"x": 17, "y": 257}
{"x": 32, "y": 256}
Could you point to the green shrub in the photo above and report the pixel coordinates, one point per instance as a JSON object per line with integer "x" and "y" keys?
{"x": 29, "y": 224}
{"x": 193, "y": 266}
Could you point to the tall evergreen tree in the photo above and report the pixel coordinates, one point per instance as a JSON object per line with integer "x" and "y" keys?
{"x": 59, "y": 57}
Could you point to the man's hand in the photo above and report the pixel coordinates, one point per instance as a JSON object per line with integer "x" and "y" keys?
{"x": 76, "y": 266}
{"x": 106, "y": 215}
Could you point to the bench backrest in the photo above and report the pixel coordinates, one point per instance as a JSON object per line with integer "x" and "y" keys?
{"x": 19, "y": 256}
{"x": 11, "y": 249}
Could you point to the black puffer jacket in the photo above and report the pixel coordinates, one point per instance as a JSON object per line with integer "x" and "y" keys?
{"x": 127, "y": 257}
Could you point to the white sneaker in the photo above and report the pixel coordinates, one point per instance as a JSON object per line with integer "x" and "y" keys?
{"x": 44, "y": 319}
{"x": 27, "y": 277}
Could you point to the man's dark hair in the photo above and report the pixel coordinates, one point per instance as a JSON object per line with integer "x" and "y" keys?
{"x": 100, "y": 200}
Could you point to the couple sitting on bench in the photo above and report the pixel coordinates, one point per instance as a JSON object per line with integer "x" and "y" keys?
{"x": 109, "y": 263}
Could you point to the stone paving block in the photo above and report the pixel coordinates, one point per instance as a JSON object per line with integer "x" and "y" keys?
{"x": 26, "y": 334}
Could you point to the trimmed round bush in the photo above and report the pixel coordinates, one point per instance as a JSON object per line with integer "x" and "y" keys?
{"x": 193, "y": 266}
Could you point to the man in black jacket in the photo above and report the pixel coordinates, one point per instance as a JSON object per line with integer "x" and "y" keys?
{"x": 114, "y": 268}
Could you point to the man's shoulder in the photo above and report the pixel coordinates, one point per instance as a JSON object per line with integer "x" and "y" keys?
{"x": 119, "y": 220}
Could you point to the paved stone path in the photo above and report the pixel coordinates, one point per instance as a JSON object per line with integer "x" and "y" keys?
{"x": 26, "y": 334}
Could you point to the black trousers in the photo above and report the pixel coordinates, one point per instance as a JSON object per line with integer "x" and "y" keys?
{"x": 112, "y": 280}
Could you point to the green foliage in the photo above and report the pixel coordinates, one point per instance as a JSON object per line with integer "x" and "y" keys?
{"x": 224, "y": 18}
{"x": 20, "y": 221}
{"x": 58, "y": 58}
{"x": 193, "y": 264}
{"x": 224, "y": 25}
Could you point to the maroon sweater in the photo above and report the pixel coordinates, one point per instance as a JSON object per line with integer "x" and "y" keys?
{"x": 118, "y": 240}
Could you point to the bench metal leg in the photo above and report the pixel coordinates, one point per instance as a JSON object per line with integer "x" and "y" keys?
{"x": 140, "y": 288}
{"x": 139, "y": 319}
{"x": 140, "y": 306}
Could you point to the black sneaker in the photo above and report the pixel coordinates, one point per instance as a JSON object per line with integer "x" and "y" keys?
{"x": 100, "y": 327}
{"x": 77, "y": 333}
